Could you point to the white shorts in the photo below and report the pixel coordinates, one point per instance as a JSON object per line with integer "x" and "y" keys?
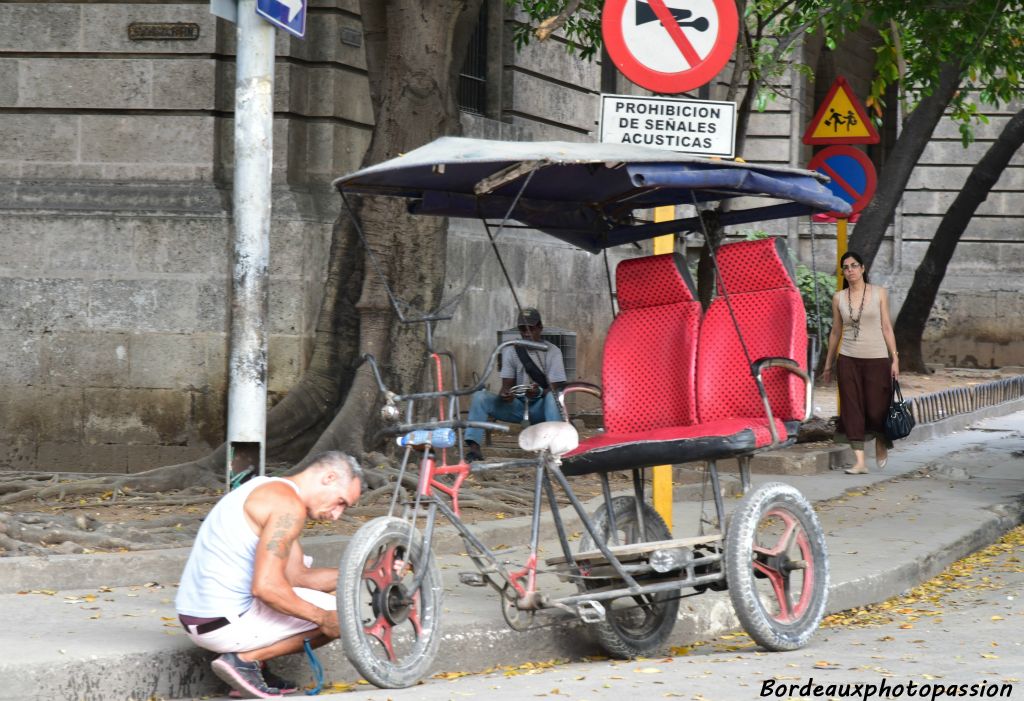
{"x": 261, "y": 625}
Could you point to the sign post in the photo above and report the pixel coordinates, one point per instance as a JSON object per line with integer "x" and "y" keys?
{"x": 669, "y": 47}
{"x": 842, "y": 120}
{"x": 661, "y": 475}
{"x": 254, "y": 129}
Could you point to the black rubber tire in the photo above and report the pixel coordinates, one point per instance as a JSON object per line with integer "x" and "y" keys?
{"x": 364, "y": 576}
{"x": 622, "y": 634}
{"x": 759, "y": 580}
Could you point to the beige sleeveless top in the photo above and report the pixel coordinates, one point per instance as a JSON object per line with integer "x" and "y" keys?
{"x": 862, "y": 330}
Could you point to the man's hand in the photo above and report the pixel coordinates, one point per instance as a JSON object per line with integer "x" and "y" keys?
{"x": 329, "y": 624}
{"x": 506, "y": 394}
{"x": 533, "y": 391}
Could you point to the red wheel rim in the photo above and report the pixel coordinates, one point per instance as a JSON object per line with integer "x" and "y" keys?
{"x": 778, "y": 567}
{"x": 390, "y": 606}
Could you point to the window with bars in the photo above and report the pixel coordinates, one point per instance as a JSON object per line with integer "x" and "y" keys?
{"x": 472, "y": 95}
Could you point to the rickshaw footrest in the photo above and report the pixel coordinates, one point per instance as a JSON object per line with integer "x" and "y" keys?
{"x": 590, "y": 611}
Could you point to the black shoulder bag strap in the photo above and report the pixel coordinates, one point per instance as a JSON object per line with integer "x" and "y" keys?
{"x": 535, "y": 373}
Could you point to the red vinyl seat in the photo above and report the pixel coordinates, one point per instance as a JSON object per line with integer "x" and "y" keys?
{"x": 678, "y": 387}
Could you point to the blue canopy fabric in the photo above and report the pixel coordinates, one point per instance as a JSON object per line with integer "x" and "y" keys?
{"x": 586, "y": 193}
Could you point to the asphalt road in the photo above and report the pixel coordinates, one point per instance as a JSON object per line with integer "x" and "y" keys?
{"x": 963, "y": 629}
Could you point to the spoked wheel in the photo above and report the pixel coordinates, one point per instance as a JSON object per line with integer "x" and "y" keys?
{"x": 633, "y": 625}
{"x": 389, "y": 632}
{"x": 776, "y": 566}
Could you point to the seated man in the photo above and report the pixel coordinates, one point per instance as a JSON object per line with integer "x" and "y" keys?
{"x": 248, "y": 592}
{"x": 541, "y": 373}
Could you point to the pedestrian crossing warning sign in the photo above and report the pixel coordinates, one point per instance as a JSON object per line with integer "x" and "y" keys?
{"x": 841, "y": 119}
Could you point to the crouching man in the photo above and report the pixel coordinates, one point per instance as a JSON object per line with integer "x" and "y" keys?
{"x": 248, "y": 591}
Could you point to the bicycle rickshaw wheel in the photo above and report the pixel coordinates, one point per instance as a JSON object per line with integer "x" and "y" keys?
{"x": 776, "y": 566}
{"x": 633, "y": 625}
{"x": 389, "y": 633}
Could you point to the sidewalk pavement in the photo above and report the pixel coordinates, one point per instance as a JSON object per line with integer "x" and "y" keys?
{"x": 103, "y": 627}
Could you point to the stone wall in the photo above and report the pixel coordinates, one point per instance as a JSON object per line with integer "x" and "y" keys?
{"x": 115, "y": 202}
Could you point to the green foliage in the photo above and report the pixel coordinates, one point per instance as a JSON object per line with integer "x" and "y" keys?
{"x": 918, "y": 39}
{"x": 768, "y": 38}
{"x": 819, "y": 313}
{"x": 581, "y": 32}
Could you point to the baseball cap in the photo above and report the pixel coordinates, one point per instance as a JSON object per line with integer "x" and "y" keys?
{"x": 528, "y": 316}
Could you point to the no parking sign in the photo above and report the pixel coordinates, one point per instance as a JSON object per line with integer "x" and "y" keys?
{"x": 852, "y": 172}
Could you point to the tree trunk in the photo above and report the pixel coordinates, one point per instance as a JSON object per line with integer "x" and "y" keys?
{"x": 412, "y": 66}
{"x": 913, "y": 316}
{"x": 892, "y": 181}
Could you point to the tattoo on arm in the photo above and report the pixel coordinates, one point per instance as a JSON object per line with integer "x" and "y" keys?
{"x": 280, "y": 542}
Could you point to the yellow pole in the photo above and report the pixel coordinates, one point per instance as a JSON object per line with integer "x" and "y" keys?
{"x": 840, "y": 252}
{"x": 663, "y": 473}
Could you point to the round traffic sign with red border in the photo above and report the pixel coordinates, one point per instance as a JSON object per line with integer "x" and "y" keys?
{"x": 852, "y": 172}
{"x": 670, "y": 46}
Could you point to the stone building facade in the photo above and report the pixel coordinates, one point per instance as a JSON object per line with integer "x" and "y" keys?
{"x": 115, "y": 202}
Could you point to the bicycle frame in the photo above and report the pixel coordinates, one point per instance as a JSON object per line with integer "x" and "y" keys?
{"x": 431, "y": 490}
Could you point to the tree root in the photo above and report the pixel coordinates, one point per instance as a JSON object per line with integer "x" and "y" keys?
{"x": 161, "y": 479}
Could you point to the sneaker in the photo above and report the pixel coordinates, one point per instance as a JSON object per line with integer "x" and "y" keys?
{"x": 472, "y": 453}
{"x": 244, "y": 677}
{"x": 285, "y": 686}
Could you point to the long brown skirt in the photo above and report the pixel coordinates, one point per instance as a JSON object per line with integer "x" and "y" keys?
{"x": 865, "y": 389}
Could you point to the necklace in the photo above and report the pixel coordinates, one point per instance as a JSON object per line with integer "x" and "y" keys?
{"x": 855, "y": 320}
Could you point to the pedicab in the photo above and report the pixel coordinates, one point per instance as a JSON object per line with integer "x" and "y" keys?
{"x": 679, "y": 384}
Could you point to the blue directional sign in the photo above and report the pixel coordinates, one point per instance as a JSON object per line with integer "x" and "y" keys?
{"x": 289, "y": 15}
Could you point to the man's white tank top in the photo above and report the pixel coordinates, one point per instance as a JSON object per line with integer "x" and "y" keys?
{"x": 217, "y": 580}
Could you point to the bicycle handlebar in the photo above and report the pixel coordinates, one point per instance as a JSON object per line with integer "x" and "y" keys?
{"x": 528, "y": 345}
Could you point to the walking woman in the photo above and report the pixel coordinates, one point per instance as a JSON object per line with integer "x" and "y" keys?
{"x": 866, "y": 361}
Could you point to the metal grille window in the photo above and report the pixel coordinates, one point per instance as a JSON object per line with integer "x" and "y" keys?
{"x": 473, "y": 76}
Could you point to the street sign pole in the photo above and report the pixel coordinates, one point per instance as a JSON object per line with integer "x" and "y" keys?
{"x": 661, "y": 475}
{"x": 254, "y": 124}
{"x": 668, "y": 48}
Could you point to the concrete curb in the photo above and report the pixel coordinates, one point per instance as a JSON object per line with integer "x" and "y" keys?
{"x": 906, "y": 575}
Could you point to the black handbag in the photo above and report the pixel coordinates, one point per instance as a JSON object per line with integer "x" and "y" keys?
{"x": 899, "y": 422}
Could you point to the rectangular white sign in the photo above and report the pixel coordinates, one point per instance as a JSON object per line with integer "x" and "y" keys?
{"x": 698, "y": 127}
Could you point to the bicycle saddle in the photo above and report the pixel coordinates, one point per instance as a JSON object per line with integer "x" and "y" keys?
{"x": 557, "y": 437}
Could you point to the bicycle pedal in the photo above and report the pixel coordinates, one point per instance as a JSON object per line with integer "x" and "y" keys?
{"x": 472, "y": 579}
{"x": 590, "y": 611}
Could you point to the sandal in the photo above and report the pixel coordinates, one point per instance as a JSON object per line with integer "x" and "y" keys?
{"x": 854, "y": 471}
{"x": 883, "y": 459}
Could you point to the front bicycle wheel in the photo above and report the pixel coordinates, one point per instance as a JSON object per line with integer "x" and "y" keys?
{"x": 776, "y": 567}
{"x": 389, "y": 631}
{"x": 633, "y": 625}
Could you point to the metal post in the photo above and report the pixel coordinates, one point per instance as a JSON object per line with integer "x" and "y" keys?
{"x": 254, "y": 124}
{"x": 841, "y": 241}
{"x": 662, "y": 474}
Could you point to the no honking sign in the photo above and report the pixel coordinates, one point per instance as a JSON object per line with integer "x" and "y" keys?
{"x": 670, "y": 46}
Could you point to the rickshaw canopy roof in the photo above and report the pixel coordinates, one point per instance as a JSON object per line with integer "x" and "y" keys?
{"x": 587, "y": 193}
